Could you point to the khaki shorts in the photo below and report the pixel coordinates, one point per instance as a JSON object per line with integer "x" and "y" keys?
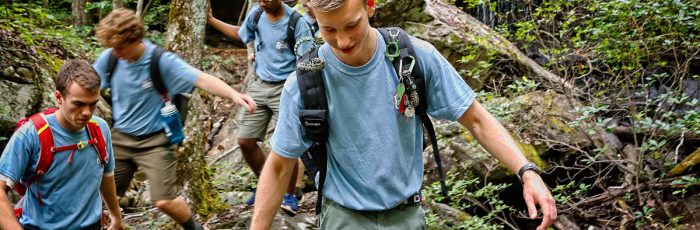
{"x": 267, "y": 97}
{"x": 333, "y": 216}
{"x": 153, "y": 155}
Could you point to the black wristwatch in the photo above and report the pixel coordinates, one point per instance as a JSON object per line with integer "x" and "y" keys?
{"x": 526, "y": 167}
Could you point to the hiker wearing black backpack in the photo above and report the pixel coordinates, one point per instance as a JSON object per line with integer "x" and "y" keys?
{"x": 272, "y": 30}
{"x": 143, "y": 83}
{"x": 61, "y": 161}
{"x": 354, "y": 110}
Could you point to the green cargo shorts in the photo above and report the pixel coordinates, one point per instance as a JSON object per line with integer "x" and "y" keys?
{"x": 333, "y": 216}
{"x": 267, "y": 98}
{"x": 153, "y": 155}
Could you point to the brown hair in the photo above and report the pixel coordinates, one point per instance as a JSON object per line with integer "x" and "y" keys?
{"x": 328, "y": 5}
{"x": 121, "y": 26}
{"x": 78, "y": 71}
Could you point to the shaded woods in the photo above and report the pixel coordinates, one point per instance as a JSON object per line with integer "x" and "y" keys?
{"x": 603, "y": 95}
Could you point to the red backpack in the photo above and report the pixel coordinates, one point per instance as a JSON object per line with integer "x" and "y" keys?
{"x": 48, "y": 150}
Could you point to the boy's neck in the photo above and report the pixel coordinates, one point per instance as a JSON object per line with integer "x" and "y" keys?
{"x": 64, "y": 123}
{"x": 277, "y": 15}
{"x": 139, "y": 52}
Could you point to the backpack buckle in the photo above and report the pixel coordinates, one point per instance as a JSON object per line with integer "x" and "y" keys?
{"x": 392, "y": 48}
{"x": 315, "y": 123}
{"x": 81, "y": 144}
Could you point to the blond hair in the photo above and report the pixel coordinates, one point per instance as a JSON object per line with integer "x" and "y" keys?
{"x": 78, "y": 71}
{"x": 120, "y": 27}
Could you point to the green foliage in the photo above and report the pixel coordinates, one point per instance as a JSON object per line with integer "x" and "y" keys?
{"x": 229, "y": 177}
{"x": 569, "y": 193}
{"x": 522, "y": 85}
{"x": 157, "y": 16}
{"x": 686, "y": 182}
{"x": 469, "y": 194}
{"x": 36, "y": 24}
{"x": 631, "y": 59}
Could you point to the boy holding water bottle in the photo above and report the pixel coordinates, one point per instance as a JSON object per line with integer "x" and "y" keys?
{"x": 138, "y": 131}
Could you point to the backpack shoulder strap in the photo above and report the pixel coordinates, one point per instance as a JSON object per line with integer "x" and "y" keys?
{"x": 256, "y": 18}
{"x": 405, "y": 49}
{"x": 46, "y": 142}
{"x": 313, "y": 94}
{"x": 291, "y": 26}
{"x": 111, "y": 65}
{"x": 314, "y": 118}
{"x": 314, "y": 27}
{"x": 155, "y": 72}
{"x": 100, "y": 145}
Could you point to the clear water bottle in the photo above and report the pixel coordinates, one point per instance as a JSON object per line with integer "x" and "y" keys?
{"x": 173, "y": 123}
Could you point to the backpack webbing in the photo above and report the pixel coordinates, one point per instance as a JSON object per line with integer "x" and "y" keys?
{"x": 47, "y": 150}
{"x": 314, "y": 115}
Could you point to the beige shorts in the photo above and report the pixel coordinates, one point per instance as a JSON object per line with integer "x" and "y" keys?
{"x": 153, "y": 155}
{"x": 267, "y": 97}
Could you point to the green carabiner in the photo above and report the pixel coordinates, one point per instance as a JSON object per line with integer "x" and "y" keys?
{"x": 393, "y": 43}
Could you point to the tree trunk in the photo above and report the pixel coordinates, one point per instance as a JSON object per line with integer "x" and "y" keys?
{"x": 116, "y": 4}
{"x": 435, "y": 19}
{"x": 139, "y": 7}
{"x": 80, "y": 18}
{"x": 185, "y": 36}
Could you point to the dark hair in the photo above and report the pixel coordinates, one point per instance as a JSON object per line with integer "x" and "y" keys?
{"x": 78, "y": 71}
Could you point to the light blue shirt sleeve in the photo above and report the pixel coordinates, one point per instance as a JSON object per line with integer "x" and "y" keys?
{"x": 18, "y": 153}
{"x": 289, "y": 139}
{"x": 246, "y": 30}
{"x": 447, "y": 93}
{"x": 178, "y": 75}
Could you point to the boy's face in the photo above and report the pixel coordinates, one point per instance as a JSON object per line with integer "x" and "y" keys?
{"x": 308, "y": 10}
{"x": 77, "y": 105}
{"x": 346, "y": 29}
{"x": 270, "y": 6}
{"x": 128, "y": 51}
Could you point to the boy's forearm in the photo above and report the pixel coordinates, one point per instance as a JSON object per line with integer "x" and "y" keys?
{"x": 493, "y": 137}
{"x": 225, "y": 28}
{"x": 109, "y": 195}
{"x": 7, "y": 214}
{"x": 214, "y": 85}
{"x": 270, "y": 189}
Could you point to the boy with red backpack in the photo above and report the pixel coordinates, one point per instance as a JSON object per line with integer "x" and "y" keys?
{"x": 62, "y": 160}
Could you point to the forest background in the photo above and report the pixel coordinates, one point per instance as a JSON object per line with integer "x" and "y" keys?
{"x": 613, "y": 117}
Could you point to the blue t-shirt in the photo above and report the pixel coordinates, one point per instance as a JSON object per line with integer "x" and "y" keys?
{"x": 70, "y": 192}
{"x": 374, "y": 152}
{"x": 274, "y": 60}
{"x": 136, "y": 103}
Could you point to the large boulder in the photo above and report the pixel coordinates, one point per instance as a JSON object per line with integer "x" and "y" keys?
{"x": 27, "y": 75}
{"x": 463, "y": 156}
{"x": 463, "y": 40}
{"x": 544, "y": 118}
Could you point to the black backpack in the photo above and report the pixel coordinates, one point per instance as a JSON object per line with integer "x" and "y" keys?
{"x": 180, "y": 100}
{"x": 291, "y": 40}
{"x": 314, "y": 115}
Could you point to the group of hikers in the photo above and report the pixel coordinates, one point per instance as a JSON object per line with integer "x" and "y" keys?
{"x": 358, "y": 102}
